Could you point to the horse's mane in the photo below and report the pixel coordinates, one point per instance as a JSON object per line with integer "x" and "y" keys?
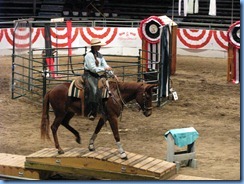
{"x": 125, "y": 86}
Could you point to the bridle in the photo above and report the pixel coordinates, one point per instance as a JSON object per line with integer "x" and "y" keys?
{"x": 145, "y": 108}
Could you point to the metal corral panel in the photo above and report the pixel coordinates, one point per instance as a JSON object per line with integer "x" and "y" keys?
{"x": 104, "y": 163}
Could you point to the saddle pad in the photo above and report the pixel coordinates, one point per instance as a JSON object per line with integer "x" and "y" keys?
{"x": 183, "y": 136}
{"x": 73, "y": 91}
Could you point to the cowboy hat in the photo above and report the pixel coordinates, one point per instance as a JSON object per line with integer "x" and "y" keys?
{"x": 97, "y": 42}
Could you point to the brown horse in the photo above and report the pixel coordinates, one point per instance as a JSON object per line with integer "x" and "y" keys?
{"x": 66, "y": 107}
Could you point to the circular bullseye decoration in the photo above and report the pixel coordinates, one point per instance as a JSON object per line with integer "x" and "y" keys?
{"x": 234, "y": 34}
{"x": 150, "y": 29}
{"x": 153, "y": 28}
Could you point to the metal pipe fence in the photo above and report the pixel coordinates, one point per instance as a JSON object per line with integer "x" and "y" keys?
{"x": 34, "y": 80}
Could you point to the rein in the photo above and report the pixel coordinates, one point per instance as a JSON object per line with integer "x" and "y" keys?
{"x": 145, "y": 108}
{"x": 144, "y": 103}
{"x": 120, "y": 95}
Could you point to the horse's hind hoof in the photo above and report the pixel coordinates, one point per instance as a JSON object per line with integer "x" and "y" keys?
{"x": 60, "y": 152}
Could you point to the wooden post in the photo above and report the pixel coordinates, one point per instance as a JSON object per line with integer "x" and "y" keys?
{"x": 230, "y": 67}
{"x": 173, "y": 48}
{"x": 144, "y": 55}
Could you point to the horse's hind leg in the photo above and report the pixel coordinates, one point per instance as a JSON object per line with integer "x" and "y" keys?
{"x": 65, "y": 123}
{"x": 56, "y": 123}
{"x": 99, "y": 126}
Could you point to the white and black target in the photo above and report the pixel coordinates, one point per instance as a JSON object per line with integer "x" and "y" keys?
{"x": 150, "y": 29}
{"x": 234, "y": 33}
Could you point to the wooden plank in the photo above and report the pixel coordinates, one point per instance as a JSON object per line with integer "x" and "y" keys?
{"x": 157, "y": 166}
{"x": 114, "y": 158}
{"x": 75, "y": 152}
{"x": 4, "y": 156}
{"x": 93, "y": 154}
{"x": 89, "y": 153}
{"x": 45, "y": 152}
{"x": 112, "y": 153}
{"x": 150, "y": 164}
{"x": 20, "y": 162}
{"x": 50, "y": 152}
{"x": 66, "y": 150}
{"x": 99, "y": 174}
{"x": 71, "y": 153}
{"x": 8, "y": 159}
{"x": 129, "y": 155}
{"x": 76, "y": 162}
{"x": 103, "y": 149}
{"x": 166, "y": 167}
{"x": 132, "y": 159}
{"x": 103, "y": 154}
{"x": 40, "y": 152}
{"x": 140, "y": 158}
{"x": 144, "y": 162}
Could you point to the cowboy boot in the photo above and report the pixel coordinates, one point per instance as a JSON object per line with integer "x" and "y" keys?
{"x": 93, "y": 113}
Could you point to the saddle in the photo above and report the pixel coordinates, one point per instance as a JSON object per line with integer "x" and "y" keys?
{"x": 80, "y": 89}
{"x": 79, "y": 83}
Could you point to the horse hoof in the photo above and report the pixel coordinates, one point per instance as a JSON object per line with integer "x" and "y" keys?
{"x": 123, "y": 156}
{"x": 91, "y": 147}
{"x": 78, "y": 140}
{"x": 60, "y": 152}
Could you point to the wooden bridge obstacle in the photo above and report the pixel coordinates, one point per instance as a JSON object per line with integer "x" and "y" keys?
{"x": 102, "y": 164}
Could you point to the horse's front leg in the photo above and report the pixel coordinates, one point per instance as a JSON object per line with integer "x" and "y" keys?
{"x": 99, "y": 126}
{"x": 114, "y": 126}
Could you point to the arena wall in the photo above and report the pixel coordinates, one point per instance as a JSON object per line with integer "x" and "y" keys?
{"x": 120, "y": 41}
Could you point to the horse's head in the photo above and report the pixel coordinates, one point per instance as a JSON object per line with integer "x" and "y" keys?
{"x": 144, "y": 98}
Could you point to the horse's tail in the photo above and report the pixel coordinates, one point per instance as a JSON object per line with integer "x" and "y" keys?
{"x": 45, "y": 118}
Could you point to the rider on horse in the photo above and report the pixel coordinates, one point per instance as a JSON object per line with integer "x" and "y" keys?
{"x": 95, "y": 65}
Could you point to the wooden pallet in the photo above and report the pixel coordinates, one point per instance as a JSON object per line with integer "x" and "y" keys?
{"x": 104, "y": 163}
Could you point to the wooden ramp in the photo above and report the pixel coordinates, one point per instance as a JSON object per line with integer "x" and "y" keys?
{"x": 104, "y": 163}
{"x": 12, "y": 166}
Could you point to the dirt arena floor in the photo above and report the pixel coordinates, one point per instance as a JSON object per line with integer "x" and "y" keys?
{"x": 206, "y": 102}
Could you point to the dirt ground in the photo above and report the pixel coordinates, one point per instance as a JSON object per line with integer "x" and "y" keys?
{"x": 206, "y": 102}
